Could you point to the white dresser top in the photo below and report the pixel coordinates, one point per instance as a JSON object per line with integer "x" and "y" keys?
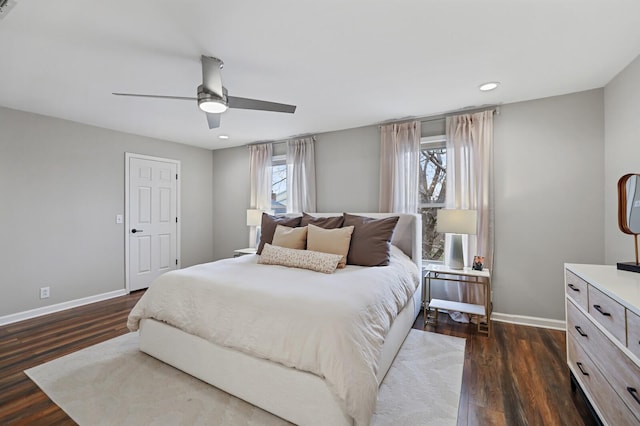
{"x": 622, "y": 286}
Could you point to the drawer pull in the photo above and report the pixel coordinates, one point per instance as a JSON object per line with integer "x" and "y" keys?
{"x": 634, "y": 393}
{"x": 572, "y": 287}
{"x": 579, "y": 364}
{"x": 599, "y": 309}
{"x": 580, "y": 332}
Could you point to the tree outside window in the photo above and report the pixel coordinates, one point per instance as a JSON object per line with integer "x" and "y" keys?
{"x": 432, "y": 191}
{"x": 279, "y": 185}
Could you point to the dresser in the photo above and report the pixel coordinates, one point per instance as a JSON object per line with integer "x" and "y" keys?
{"x": 603, "y": 339}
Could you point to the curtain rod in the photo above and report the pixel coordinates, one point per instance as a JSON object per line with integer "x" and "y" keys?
{"x": 284, "y": 141}
{"x": 430, "y": 118}
{"x": 423, "y": 119}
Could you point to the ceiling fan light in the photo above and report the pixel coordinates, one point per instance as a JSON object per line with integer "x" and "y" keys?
{"x": 213, "y": 106}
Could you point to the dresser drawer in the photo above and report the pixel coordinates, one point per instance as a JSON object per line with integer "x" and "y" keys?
{"x": 576, "y": 288}
{"x": 609, "y": 313}
{"x": 633, "y": 333}
{"x": 621, "y": 373}
{"x": 596, "y": 387}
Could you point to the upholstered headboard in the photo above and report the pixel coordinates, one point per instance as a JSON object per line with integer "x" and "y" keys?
{"x": 407, "y": 236}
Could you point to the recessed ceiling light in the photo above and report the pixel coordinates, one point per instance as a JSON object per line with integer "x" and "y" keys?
{"x": 489, "y": 86}
{"x": 223, "y": 137}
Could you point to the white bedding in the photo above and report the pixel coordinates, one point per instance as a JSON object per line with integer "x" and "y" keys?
{"x": 330, "y": 325}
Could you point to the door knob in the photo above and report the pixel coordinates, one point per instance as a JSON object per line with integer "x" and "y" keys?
{"x": 133, "y": 231}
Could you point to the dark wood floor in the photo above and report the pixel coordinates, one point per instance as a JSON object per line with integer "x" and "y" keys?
{"x": 516, "y": 377}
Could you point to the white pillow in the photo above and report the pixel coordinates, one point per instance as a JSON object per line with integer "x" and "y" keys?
{"x": 305, "y": 259}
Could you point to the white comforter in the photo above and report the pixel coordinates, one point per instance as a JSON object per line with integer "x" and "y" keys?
{"x": 332, "y": 325}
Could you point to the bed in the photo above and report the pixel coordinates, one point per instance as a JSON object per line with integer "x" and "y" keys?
{"x": 305, "y": 386}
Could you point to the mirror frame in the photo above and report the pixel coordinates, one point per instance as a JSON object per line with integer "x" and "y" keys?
{"x": 623, "y": 222}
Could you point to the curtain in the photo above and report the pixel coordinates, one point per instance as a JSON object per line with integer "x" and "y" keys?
{"x": 260, "y": 169}
{"x": 399, "y": 167}
{"x": 301, "y": 175}
{"x": 260, "y": 175}
{"x": 470, "y": 186}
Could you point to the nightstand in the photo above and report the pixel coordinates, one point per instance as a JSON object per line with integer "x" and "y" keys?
{"x": 244, "y": 251}
{"x": 465, "y": 276}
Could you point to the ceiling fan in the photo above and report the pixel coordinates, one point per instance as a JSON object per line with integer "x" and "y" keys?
{"x": 212, "y": 95}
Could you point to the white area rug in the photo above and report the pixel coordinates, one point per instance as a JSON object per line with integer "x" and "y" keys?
{"x": 112, "y": 383}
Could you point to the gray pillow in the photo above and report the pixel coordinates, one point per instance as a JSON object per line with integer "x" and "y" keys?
{"x": 268, "y": 227}
{"x": 332, "y": 222}
{"x": 371, "y": 239}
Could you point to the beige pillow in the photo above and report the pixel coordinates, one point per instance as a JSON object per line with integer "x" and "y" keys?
{"x": 335, "y": 241}
{"x": 305, "y": 259}
{"x": 269, "y": 224}
{"x": 293, "y": 238}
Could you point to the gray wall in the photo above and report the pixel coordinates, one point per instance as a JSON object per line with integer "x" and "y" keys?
{"x": 622, "y": 154}
{"x": 549, "y": 191}
{"x": 348, "y": 170}
{"x": 548, "y": 199}
{"x": 231, "y": 192}
{"x": 62, "y": 184}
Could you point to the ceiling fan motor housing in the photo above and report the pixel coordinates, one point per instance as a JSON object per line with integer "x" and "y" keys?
{"x": 210, "y": 102}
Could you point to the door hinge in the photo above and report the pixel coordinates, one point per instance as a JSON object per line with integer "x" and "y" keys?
{"x": 176, "y": 176}
{"x": 176, "y": 261}
{"x": 176, "y": 220}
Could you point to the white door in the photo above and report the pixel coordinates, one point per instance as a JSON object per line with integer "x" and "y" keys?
{"x": 152, "y": 219}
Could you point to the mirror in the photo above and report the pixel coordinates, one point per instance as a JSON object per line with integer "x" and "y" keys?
{"x": 629, "y": 204}
{"x": 629, "y": 213}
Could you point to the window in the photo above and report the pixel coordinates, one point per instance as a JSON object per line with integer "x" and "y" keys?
{"x": 432, "y": 189}
{"x": 279, "y": 184}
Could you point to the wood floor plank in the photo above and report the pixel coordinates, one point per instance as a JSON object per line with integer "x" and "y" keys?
{"x": 524, "y": 366}
{"x": 516, "y": 377}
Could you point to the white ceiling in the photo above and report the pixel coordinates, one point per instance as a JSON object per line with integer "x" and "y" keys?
{"x": 344, "y": 63}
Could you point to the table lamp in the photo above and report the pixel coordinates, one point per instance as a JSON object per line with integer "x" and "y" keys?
{"x": 456, "y": 222}
{"x": 254, "y": 218}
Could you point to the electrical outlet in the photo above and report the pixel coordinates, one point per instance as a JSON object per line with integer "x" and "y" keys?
{"x": 44, "y": 292}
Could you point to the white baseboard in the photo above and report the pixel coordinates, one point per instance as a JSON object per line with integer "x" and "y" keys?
{"x": 531, "y": 321}
{"x": 33, "y": 313}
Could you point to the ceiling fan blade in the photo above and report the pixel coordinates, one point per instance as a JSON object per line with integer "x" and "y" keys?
{"x": 213, "y": 120}
{"x": 246, "y": 103}
{"x": 180, "y": 98}
{"x": 211, "y": 79}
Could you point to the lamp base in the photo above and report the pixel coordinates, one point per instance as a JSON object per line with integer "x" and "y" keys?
{"x": 258, "y": 235}
{"x": 456, "y": 257}
{"x": 629, "y": 266}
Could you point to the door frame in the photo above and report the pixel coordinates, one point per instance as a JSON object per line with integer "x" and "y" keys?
{"x": 127, "y": 157}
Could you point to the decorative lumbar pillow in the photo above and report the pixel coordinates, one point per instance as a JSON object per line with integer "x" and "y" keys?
{"x": 268, "y": 227}
{"x": 304, "y": 259}
{"x": 294, "y": 238}
{"x": 335, "y": 241}
{"x": 371, "y": 239}
{"x": 331, "y": 222}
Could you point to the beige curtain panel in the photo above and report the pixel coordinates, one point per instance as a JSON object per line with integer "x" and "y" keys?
{"x": 470, "y": 186}
{"x": 399, "y": 166}
{"x": 260, "y": 170}
{"x": 301, "y": 175}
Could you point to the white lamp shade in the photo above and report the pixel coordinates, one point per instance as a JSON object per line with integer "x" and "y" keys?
{"x": 254, "y": 217}
{"x": 457, "y": 221}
